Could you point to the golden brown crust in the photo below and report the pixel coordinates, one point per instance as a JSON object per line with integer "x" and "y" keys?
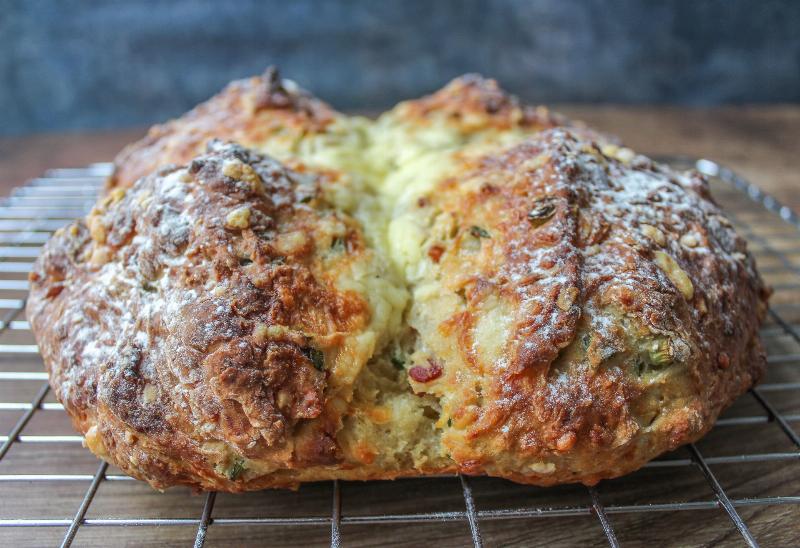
{"x": 473, "y": 104}
{"x": 575, "y": 310}
{"x": 200, "y": 309}
{"x": 628, "y": 311}
{"x": 263, "y": 112}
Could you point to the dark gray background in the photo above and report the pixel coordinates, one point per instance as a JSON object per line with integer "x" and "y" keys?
{"x": 91, "y": 64}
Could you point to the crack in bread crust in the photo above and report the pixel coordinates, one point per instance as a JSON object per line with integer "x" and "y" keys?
{"x": 465, "y": 284}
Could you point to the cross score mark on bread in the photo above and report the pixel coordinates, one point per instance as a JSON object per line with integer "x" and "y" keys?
{"x": 464, "y": 284}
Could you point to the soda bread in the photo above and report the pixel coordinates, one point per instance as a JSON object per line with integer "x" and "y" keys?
{"x": 465, "y": 284}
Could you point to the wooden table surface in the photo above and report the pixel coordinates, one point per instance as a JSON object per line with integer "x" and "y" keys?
{"x": 760, "y": 142}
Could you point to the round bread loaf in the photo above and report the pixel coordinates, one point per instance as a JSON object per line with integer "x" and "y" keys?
{"x": 463, "y": 285}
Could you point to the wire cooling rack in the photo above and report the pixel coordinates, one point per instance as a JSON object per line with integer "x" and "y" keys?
{"x": 739, "y": 485}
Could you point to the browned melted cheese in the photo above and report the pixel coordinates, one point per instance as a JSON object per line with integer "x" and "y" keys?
{"x": 581, "y": 307}
{"x": 202, "y": 307}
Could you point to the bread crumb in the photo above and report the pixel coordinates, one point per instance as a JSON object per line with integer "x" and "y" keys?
{"x": 260, "y": 332}
{"x": 94, "y": 441}
{"x": 240, "y": 171}
{"x": 542, "y": 467}
{"x": 689, "y": 240}
{"x": 149, "y": 393}
{"x": 238, "y": 218}
{"x": 653, "y": 234}
{"x": 97, "y": 229}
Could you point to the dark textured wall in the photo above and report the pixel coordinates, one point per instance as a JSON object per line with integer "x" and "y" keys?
{"x": 92, "y": 64}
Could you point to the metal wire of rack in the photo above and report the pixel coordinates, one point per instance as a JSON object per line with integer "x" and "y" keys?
{"x": 34, "y": 211}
